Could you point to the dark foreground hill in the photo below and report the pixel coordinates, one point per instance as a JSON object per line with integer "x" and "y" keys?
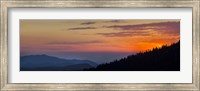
{"x": 166, "y": 58}
{"x": 50, "y": 63}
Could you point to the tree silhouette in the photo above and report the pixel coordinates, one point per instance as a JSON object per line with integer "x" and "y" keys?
{"x": 166, "y": 58}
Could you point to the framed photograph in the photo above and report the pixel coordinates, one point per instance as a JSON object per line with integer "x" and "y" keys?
{"x": 99, "y": 45}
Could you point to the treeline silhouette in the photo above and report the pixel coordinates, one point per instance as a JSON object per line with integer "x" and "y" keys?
{"x": 166, "y": 58}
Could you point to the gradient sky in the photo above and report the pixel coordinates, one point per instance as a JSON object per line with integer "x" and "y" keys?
{"x": 95, "y": 40}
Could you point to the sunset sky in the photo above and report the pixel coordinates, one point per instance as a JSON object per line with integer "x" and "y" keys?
{"x": 95, "y": 40}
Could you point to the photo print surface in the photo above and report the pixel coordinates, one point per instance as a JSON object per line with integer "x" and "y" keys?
{"x": 99, "y": 45}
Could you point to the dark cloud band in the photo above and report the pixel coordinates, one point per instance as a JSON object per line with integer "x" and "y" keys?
{"x": 172, "y": 28}
{"x": 75, "y": 43}
{"x": 87, "y": 23}
{"x": 81, "y": 28}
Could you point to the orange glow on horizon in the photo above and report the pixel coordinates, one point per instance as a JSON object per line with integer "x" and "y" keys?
{"x": 96, "y": 35}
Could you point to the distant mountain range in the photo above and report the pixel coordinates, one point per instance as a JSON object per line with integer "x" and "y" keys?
{"x": 50, "y": 63}
{"x": 166, "y": 58}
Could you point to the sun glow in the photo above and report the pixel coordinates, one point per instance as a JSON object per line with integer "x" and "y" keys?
{"x": 96, "y": 35}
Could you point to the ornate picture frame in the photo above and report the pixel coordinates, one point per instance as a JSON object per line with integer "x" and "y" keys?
{"x": 7, "y": 4}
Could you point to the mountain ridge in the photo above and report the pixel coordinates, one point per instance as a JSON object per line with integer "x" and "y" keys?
{"x": 34, "y": 62}
{"x": 166, "y": 58}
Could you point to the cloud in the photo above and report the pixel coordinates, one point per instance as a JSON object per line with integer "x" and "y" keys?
{"x": 87, "y": 23}
{"x": 75, "y": 43}
{"x": 163, "y": 27}
{"x": 81, "y": 28}
{"x": 114, "y": 21}
{"x": 124, "y": 34}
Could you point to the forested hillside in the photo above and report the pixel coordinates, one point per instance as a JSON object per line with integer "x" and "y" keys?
{"x": 166, "y": 58}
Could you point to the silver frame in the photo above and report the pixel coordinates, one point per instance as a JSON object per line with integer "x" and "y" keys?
{"x": 6, "y": 4}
